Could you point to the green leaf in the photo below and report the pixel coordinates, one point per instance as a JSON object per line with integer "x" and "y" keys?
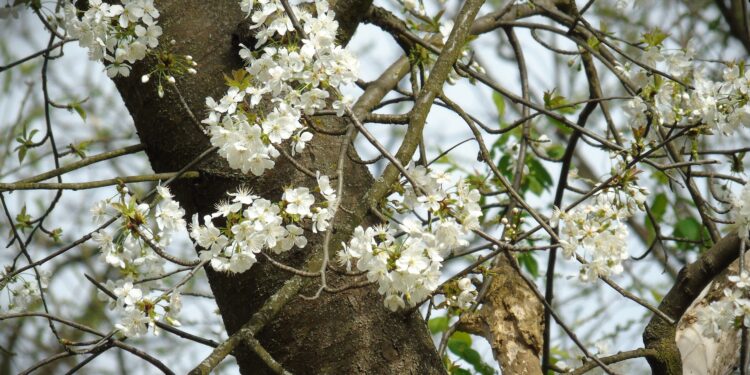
{"x": 556, "y": 102}
{"x": 503, "y": 139}
{"x": 499, "y": 104}
{"x": 240, "y": 79}
{"x": 659, "y": 206}
{"x": 460, "y": 345}
{"x": 560, "y": 125}
{"x": 538, "y": 178}
{"x": 504, "y": 165}
{"x": 77, "y": 107}
{"x": 528, "y": 261}
{"x": 532, "y": 184}
{"x": 460, "y": 337}
{"x": 688, "y": 228}
{"x": 593, "y": 42}
{"x": 460, "y": 371}
{"x": 23, "y": 220}
{"x": 538, "y": 168}
{"x": 22, "y": 153}
{"x": 56, "y": 234}
{"x": 656, "y": 295}
{"x": 437, "y": 325}
{"x": 81, "y": 148}
{"x": 655, "y": 37}
{"x": 555, "y": 151}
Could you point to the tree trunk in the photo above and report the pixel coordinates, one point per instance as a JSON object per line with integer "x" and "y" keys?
{"x": 347, "y": 332}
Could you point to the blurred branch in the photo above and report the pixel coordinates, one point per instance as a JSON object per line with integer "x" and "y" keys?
{"x": 86, "y": 161}
{"x": 15, "y": 186}
{"x": 35, "y": 54}
{"x": 615, "y": 358}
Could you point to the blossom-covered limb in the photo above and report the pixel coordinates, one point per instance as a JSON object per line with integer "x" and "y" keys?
{"x": 434, "y": 84}
{"x": 163, "y": 253}
{"x": 166, "y": 327}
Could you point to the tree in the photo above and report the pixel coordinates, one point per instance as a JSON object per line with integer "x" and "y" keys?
{"x": 322, "y": 261}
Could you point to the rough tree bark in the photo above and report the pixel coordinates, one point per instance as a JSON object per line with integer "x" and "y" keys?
{"x": 348, "y": 332}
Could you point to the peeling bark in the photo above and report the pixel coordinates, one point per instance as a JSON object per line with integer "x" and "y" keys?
{"x": 512, "y": 320}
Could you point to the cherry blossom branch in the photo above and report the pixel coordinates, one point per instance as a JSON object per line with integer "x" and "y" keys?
{"x": 87, "y": 237}
{"x": 140, "y": 353}
{"x": 372, "y": 95}
{"x": 37, "y": 275}
{"x": 418, "y": 115}
{"x": 294, "y": 162}
{"x": 70, "y": 323}
{"x": 334, "y": 208}
{"x": 265, "y": 356}
{"x": 161, "y": 325}
{"x": 387, "y": 20}
{"x": 544, "y": 225}
{"x": 290, "y": 269}
{"x": 15, "y": 186}
{"x": 561, "y": 184}
{"x": 162, "y": 253}
{"x": 101, "y": 346}
{"x": 85, "y": 162}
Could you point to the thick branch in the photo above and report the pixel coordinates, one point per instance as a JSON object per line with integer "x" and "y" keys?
{"x": 691, "y": 280}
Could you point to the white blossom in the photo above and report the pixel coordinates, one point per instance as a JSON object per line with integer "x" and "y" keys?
{"x": 114, "y": 33}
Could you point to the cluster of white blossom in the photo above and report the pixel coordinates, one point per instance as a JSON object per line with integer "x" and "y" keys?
{"x": 600, "y": 229}
{"x": 129, "y": 248}
{"x": 408, "y": 270}
{"x": 439, "y": 194}
{"x": 467, "y": 293}
{"x": 21, "y": 290}
{"x": 733, "y": 310}
{"x": 119, "y": 34}
{"x": 741, "y": 213}
{"x": 295, "y": 79}
{"x": 730, "y": 312}
{"x": 253, "y": 224}
{"x": 140, "y": 307}
{"x": 721, "y": 105}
